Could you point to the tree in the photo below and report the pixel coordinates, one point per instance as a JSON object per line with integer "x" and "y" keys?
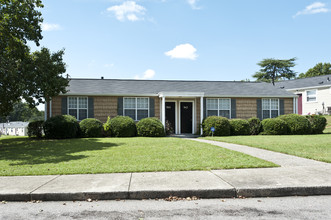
{"x": 273, "y": 70}
{"x": 22, "y": 112}
{"x": 36, "y": 76}
{"x": 318, "y": 70}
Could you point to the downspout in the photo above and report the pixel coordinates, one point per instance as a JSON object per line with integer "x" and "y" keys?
{"x": 45, "y": 111}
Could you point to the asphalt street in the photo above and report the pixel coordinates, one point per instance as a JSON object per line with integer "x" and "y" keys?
{"x": 312, "y": 207}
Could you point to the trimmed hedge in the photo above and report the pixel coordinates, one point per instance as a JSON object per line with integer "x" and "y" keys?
{"x": 255, "y": 126}
{"x": 221, "y": 125}
{"x": 91, "y": 127}
{"x": 61, "y": 127}
{"x": 317, "y": 122}
{"x": 35, "y": 129}
{"x": 239, "y": 127}
{"x": 150, "y": 127}
{"x": 297, "y": 124}
{"x": 123, "y": 126}
{"x": 274, "y": 126}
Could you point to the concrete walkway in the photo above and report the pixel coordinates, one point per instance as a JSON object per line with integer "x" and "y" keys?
{"x": 296, "y": 176}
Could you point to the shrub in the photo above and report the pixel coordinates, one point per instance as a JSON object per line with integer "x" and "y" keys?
{"x": 35, "y": 129}
{"x": 91, "y": 127}
{"x": 106, "y": 128}
{"x": 318, "y": 123}
{"x": 61, "y": 126}
{"x": 150, "y": 127}
{"x": 221, "y": 125}
{"x": 168, "y": 128}
{"x": 122, "y": 126}
{"x": 297, "y": 124}
{"x": 255, "y": 126}
{"x": 239, "y": 127}
{"x": 274, "y": 126}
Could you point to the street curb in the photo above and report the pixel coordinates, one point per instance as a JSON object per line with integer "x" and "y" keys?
{"x": 206, "y": 194}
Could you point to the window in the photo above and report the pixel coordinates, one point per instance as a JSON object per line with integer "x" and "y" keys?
{"x": 218, "y": 107}
{"x": 270, "y": 108}
{"x": 311, "y": 96}
{"x": 136, "y": 108}
{"x": 77, "y": 107}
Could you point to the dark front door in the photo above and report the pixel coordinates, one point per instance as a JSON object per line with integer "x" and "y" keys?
{"x": 170, "y": 116}
{"x": 186, "y": 117}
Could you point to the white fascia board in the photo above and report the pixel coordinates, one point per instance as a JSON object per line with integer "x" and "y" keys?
{"x": 311, "y": 87}
{"x": 181, "y": 94}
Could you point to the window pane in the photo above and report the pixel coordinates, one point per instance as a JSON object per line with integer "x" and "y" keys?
{"x": 72, "y": 102}
{"x": 83, "y": 102}
{"x": 142, "y": 103}
{"x": 212, "y": 104}
{"x": 82, "y": 114}
{"x": 211, "y": 113}
{"x": 266, "y": 114}
{"x": 224, "y": 104}
{"x": 311, "y": 99}
{"x": 130, "y": 103}
{"x": 265, "y": 104}
{"x": 73, "y": 112}
{"x": 274, "y": 104}
{"x": 225, "y": 113}
{"x": 131, "y": 113}
{"x": 274, "y": 113}
{"x": 142, "y": 114}
{"x": 311, "y": 92}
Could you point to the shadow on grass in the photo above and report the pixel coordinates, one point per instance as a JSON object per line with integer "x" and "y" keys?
{"x": 25, "y": 151}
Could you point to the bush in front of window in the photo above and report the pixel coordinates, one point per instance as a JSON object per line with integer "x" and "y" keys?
{"x": 61, "y": 127}
{"x": 255, "y": 126}
{"x": 297, "y": 124}
{"x": 35, "y": 129}
{"x": 123, "y": 126}
{"x": 274, "y": 126}
{"x": 91, "y": 127}
{"x": 239, "y": 127}
{"x": 221, "y": 125}
{"x": 150, "y": 127}
{"x": 106, "y": 128}
{"x": 318, "y": 123}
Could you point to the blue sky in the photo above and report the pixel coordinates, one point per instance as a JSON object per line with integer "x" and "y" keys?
{"x": 185, "y": 39}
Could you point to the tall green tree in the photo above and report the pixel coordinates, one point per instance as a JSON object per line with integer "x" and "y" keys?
{"x": 273, "y": 70}
{"x": 22, "y": 112}
{"x": 36, "y": 76}
{"x": 318, "y": 70}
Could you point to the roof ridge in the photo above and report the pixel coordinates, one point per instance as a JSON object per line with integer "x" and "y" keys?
{"x": 165, "y": 80}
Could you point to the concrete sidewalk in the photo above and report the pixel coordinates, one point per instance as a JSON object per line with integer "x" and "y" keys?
{"x": 296, "y": 176}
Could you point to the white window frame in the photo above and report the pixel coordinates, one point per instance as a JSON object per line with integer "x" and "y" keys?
{"x": 311, "y": 96}
{"x": 218, "y": 106}
{"x": 270, "y": 109}
{"x": 136, "y": 104}
{"x": 78, "y": 97}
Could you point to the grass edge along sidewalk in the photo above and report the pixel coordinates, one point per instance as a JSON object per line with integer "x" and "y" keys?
{"x": 316, "y": 147}
{"x": 24, "y": 156}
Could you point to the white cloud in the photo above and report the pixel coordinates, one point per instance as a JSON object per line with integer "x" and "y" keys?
{"x": 50, "y": 27}
{"x": 193, "y": 3}
{"x": 183, "y": 51}
{"x": 315, "y": 8}
{"x": 148, "y": 74}
{"x": 129, "y": 10}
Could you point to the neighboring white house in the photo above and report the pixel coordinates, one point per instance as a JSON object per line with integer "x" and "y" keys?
{"x": 15, "y": 128}
{"x": 314, "y": 94}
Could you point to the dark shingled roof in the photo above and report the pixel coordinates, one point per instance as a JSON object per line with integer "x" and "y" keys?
{"x": 153, "y": 87}
{"x": 305, "y": 82}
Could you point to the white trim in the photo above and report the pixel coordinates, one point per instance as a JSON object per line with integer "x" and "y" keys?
{"x": 193, "y": 115}
{"x": 163, "y": 111}
{"x": 308, "y": 88}
{"x": 50, "y": 108}
{"x": 176, "y": 115}
{"x": 201, "y": 114}
{"x": 218, "y": 107}
{"x": 181, "y": 94}
{"x": 306, "y": 92}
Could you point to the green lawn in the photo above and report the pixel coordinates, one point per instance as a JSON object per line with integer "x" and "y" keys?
{"x": 23, "y": 156}
{"x": 317, "y": 147}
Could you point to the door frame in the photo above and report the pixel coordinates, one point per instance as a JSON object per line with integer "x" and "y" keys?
{"x": 176, "y": 118}
{"x": 193, "y": 115}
